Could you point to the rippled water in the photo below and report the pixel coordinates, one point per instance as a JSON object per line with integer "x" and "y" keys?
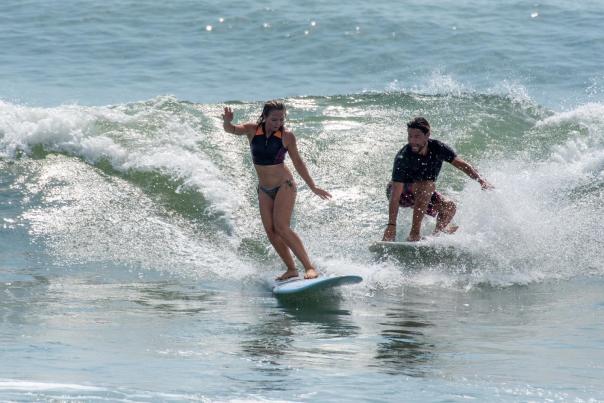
{"x": 88, "y": 338}
{"x": 133, "y": 264}
{"x": 123, "y": 51}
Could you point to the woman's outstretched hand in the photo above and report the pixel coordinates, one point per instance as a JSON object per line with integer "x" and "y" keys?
{"x": 227, "y": 116}
{"x": 323, "y": 194}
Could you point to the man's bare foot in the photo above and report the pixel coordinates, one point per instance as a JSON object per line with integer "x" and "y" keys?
{"x": 414, "y": 238}
{"x": 287, "y": 275}
{"x": 450, "y": 229}
{"x": 311, "y": 273}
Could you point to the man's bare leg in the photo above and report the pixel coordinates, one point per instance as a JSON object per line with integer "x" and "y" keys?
{"x": 446, "y": 211}
{"x": 422, "y": 193}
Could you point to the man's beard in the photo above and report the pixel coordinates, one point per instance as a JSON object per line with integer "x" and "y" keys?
{"x": 416, "y": 149}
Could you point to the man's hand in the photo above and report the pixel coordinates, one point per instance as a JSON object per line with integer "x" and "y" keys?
{"x": 389, "y": 233}
{"x": 485, "y": 185}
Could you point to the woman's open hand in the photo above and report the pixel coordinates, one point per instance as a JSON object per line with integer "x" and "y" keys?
{"x": 323, "y": 194}
{"x": 227, "y": 116}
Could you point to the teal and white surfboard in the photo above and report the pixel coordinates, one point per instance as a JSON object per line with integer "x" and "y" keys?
{"x": 299, "y": 285}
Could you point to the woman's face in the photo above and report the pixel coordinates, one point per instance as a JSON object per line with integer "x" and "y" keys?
{"x": 274, "y": 120}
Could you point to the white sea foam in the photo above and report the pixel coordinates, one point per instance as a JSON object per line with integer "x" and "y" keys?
{"x": 583, "y": 152}
{"x": 437, "y": 83}
{"x": 529, "y": 228}
{"x": 589, "y": 113}
{"x": 70, "y": 391}
{"x": 88, "y": 218}
{"x": 441, "y": 83}
{"x": 132, "y": 145}
{"x": 31, "y": 386}
{"x": 515, "y": 91}
{"x": 504, "y": 233}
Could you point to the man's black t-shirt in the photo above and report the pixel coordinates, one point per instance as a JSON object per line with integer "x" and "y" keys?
{"x": 411, "y": 167}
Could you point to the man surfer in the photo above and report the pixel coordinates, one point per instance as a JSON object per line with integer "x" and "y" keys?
{"x": 414, "y": 174}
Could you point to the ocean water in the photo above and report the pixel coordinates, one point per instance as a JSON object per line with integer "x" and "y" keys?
{"x": 133, "y": 263}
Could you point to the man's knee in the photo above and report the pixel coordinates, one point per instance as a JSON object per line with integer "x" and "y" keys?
{"x": 424, "y": 187}
{"x": 447, "y": 206}
{"x": 422, "y": 191}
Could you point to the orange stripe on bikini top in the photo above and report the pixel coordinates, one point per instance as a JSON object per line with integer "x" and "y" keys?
{"x": 260, "y": 132}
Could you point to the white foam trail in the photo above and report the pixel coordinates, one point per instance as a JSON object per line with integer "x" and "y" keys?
{"x": 589, "y": 114}
{"x": 583, "y": 153}
{"x": 437, "y": 83}
{"x": 517, "y": 92}
{"x": 128, "y": 144}
{"x": 85, "y": 217}
{"x": 31, "y": 386}
{"x": 441, "y": 83}
{"x": 529, "y": 227}
{"x": 535, "y": 226}
{"x": 383, "y": 276}
{"x": 527, "y": 230}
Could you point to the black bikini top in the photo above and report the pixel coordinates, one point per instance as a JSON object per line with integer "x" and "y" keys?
{"x": 267, "y": 150}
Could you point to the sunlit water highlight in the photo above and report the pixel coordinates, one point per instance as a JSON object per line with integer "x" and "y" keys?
{"x": 133, "y": 264}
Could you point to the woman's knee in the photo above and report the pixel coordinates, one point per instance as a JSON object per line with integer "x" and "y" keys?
{"x": 282, "y": 229}
{"x": 272, "y": 234}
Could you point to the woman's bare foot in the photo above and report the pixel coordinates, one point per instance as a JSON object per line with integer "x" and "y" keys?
{"x": 287, "y": 275}
{"x": 311, "y": 273}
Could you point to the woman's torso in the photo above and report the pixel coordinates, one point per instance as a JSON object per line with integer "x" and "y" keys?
{"x": 268, "y": 153}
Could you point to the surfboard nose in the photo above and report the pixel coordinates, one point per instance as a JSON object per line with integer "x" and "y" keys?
{"x": 300, "y": 285}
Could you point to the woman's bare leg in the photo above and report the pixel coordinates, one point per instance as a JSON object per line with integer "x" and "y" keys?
{"x": 282, "y": 213}
{"x": 266, "y": 214}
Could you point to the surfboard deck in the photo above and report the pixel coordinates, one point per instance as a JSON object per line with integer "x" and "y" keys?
{"x": 427, "y": 251}
{"x": 300, "y": 285}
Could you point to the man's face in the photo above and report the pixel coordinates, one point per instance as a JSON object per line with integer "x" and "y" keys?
{"x": 417, "y": 140}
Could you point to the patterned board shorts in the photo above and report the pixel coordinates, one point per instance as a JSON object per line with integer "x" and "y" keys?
{"x": 407, "y": 199}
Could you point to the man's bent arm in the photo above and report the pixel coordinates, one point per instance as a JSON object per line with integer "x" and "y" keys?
{"x": 471, "y": 172}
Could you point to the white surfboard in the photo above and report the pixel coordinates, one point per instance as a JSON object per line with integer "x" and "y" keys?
{"x": 298, "y": 285}
{"x": 404, "y": 245}
{"x": 426, "y": 251}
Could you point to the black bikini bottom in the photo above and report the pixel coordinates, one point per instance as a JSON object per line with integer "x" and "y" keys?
{"x": 272, "y": 192}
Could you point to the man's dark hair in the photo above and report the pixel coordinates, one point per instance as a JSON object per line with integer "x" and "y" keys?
{"x": 420, "y": 124}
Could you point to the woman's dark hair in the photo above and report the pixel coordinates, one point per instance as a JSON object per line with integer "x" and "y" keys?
{"x": 420, "y": 124}
{"x": 270, "y": 106}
